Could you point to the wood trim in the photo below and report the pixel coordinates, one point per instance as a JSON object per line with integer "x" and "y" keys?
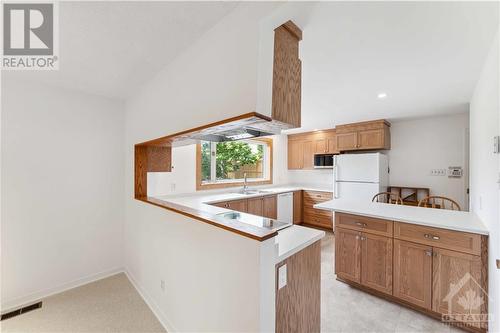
{"x": 240, "y": 228}
{"x": 293, "y": 29}
{"x": 211, "y": 186}
{"x": 167, "y": 140}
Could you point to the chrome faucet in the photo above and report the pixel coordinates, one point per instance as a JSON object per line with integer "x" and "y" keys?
{"x": 245, "y": 185}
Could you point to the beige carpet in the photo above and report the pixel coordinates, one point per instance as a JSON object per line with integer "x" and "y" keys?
{"x": 108, "y": 305}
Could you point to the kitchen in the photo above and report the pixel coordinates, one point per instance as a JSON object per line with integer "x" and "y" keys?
{"x": 259, "y": 199}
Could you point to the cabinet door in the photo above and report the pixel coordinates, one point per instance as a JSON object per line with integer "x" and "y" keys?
{"x": 412, "y": 273}
{"x": 348, "y": 254}
{"x": 297, "y": 207}
{"x": 308, "y": 155}
{"x": 295, "y": 154}
{"x": 371, "y": 139}
{"x": 320, "y": 145}
{"x": 255, "y": 206}
{"x": 376, "y": 262}
{"x": 347, "y": 141}
{"x": 270, "y": 207}
{"x": 331, "y": 144}
{"x": 462, "y": 271}
{"x": 238, "y": 205}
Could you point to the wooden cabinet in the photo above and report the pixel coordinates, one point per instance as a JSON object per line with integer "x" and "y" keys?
{"x": 364, "y": 136}
{"x": 313, "y": 216}
{"x": 413, "y": 273}
{"x": 270, "y": 206}
{"x": 262, "y": 206}
{"x": 364, "y": 258}
{"x": 437, "y": 271}
{"x": 348, "y": 254}
{"x": 324, "y": 142}
{"x": 297, "y": 207}
{"x": 376, "y": 262}
{"x": 295, "y": 154}
{"x": 255, "y": 206}
{"x": 300, "y": 152}
{"x": 238, "y": 205}
{"x": 450, "y": 270}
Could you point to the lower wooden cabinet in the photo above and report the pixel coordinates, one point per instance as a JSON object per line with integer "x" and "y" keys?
{"x": 364, "y": 258}
{"x": 348, "y": 254}
{"x": 450, "y": 270}
{"x": 313, "y": 216}
{"x": 417, "y": 265}
{"x": 255, "y": 206}
{"x": 413, "y": 273}
{"x": 297, "y": 207}
{"x": 270, "y": 207}
{"x": 376, "y": 262}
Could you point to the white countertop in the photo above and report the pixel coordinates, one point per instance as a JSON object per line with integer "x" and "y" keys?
{"x": 294, "y": 239}
{"x": 432, "y": 217}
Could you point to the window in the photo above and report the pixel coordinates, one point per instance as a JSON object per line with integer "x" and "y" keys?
{"x": 224, "y": 164}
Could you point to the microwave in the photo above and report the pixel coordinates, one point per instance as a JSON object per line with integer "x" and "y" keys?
{"x": 322, "y": 161}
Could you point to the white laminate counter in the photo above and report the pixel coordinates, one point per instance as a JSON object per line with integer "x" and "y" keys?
{"x": 432, "y": 217}
{"x": 294, "y": 239}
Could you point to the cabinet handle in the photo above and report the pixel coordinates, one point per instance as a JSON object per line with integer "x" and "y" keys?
{"x": 428, "y": 253}
{"x": 361, "y": 224}
{"x": 357, "y": 237}
{"x": 434, "y": 237}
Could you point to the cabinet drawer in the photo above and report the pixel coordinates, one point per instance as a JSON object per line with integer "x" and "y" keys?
{"x": 317, "y": 196}
{"x": 362, "y": 223}
{"x": 317, "y": 219}
{"x": 442, "y": 238}
{"x": 319, "y": 212}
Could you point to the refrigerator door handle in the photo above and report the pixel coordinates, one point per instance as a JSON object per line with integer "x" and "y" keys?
{"x": 335, "y": 170}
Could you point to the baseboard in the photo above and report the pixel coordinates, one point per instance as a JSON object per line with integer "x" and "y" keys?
{"x": 33, "y": 297}
{"x": 151, "y": 303}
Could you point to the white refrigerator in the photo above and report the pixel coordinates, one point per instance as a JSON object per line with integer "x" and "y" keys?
{"x": 360, "y": 176}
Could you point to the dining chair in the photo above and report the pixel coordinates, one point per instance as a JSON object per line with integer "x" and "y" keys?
{"x": 387, "y": 197}
{"x": 436, "y": 201}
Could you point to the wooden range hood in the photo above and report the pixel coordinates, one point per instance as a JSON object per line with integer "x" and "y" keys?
{"x": 156, "y": 155}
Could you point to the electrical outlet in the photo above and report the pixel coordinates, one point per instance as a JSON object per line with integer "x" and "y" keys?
{"x": 438, "y": 172}
{"x": 172, "y": 187}
{"x": 162, "y": 285}
{"x": 282, "y": 276}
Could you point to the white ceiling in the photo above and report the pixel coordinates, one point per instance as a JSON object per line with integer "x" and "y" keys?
{"x": 111, "y": 48}
{"x": 427, "y": 57}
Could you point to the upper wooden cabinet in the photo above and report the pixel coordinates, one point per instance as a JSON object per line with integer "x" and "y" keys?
{"x": 287, "y": 75}
{"x": 302, "y": 148}
{"x": 325, "y": 142}
{"x": 364, "y": 136}
{"x": 300, "y": 152}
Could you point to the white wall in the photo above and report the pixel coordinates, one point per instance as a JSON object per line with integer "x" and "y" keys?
{"x": 62, "y": 189}
{"x": 419, "y": 145}
{"x": 485, "y": 167}
{"x": 213, "y": 79}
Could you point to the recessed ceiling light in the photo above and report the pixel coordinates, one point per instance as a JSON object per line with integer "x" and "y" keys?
{"x": 382, "y": 95}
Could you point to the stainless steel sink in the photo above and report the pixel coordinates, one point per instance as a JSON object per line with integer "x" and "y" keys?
{"x": 250, "y": 192}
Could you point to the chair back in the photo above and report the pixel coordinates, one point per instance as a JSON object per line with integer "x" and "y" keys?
{"x": 387, "y": 197}
{"x": 436, "y": 201}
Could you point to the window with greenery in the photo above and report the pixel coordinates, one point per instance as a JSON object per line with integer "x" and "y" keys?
{"x": 228, "y": 162}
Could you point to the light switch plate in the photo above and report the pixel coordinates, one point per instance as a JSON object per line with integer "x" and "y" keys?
{"x": 281, "y": 276}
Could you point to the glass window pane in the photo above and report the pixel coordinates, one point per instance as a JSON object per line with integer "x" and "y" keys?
{"x": 205, "y": 161}
{"x": 233, "y": 159}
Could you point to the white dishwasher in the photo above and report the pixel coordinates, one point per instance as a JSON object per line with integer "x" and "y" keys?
{"x": 285, "y": 207}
